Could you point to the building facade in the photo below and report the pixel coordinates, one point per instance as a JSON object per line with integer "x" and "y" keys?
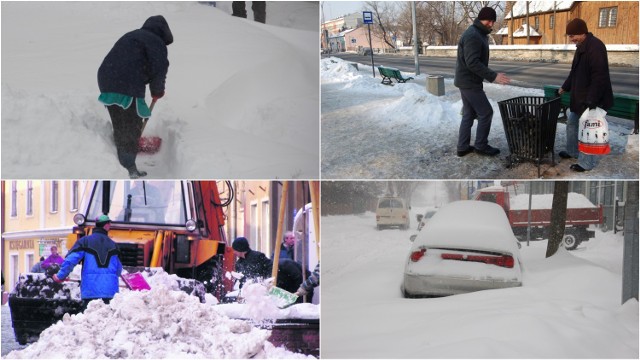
{"x": 613, "y": 22}
{"x": 35, "y": 216}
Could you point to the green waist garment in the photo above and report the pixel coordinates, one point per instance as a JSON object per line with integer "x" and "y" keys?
{"x": 124, "y": 101}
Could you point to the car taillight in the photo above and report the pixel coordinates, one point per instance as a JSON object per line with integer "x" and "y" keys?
{"x": 503, "y": 261}
{"x": 417, "y": 255}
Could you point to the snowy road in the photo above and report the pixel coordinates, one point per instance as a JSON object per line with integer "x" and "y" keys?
{"x": 374, "y": 131}
{"x": 568, "y": 307}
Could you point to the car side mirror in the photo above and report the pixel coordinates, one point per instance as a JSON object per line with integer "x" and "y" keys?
{"x": 419, "y": 217}
{"x": 413, "y": 237}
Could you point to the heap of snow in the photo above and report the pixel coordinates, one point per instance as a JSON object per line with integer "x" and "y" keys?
{"x": 159, "y": 323}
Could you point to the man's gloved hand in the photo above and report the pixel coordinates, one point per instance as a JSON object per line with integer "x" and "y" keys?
{"x": 301, "y": 291}
{"x": 589, "y": 105}
{"x": 56, "y": 279}
{"x": 157, "y": 96}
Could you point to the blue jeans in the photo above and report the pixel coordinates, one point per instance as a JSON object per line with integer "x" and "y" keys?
{"x": 474, "y": 105}
{"x": 587, "y": 162}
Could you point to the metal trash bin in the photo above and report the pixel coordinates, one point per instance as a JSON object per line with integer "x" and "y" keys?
{"x": 530, "y": 125}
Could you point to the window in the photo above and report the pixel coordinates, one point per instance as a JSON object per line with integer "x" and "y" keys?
{"x": 536, "y": 22}
{"x": 54, "y": 196}
{"x": 29, "y": 262}
{"x": 74, "y": 196}
{"x": 14, "y": 199}
{"x": 552, "y": 22}
{"x": 608, "y": 17}
{"x": 265, "y": 229}
{"x": 29, "y": 198}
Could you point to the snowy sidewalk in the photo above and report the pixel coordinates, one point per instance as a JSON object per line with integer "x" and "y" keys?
{"x": 375, "y": 131}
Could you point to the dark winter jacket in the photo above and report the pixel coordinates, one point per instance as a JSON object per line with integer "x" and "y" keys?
{"x": 285, "y": 252}
{"x": 138, "y": 58}
{"x": 254, "y": 265}
{"x": 472, "y": 64}
{"x": 290, "y": 276}
{"x": 589, "y": 80}
{"x": 101, "y": 267}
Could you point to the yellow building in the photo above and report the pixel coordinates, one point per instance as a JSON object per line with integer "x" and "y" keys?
{"x": 36, "y": 214}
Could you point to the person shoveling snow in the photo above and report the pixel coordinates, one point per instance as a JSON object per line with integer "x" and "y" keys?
{"x": 138, "y": 58}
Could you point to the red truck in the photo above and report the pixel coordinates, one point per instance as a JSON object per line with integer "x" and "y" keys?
{"x": 581, "y": 213}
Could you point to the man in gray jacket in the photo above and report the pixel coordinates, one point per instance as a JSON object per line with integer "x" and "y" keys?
{"x": 472, "y": 68}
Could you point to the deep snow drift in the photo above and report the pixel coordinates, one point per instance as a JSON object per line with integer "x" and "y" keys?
{"x": 375, "y": 131}
{"x": 568, "y": 307}
{"x": 241, "y": 97}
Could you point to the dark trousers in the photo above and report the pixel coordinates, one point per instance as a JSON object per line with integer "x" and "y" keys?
{"x": 127, "y": 128}
{"x": 259, "y": 10}
{"x": 474, "y": 105}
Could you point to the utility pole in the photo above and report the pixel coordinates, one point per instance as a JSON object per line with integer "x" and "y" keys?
{"x": 415, "y": 37}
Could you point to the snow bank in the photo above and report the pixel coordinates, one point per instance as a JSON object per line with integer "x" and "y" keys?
{"x": 375, "y": 131}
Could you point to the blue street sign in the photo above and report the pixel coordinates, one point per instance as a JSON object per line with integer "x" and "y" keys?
{"x": 367, "y": 16}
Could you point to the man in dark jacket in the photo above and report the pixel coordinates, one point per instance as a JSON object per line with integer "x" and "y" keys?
{"x": 138, "y": 58}
{"x": 252, "y": 264}
{"x": 290, "y": 277}
{"x": 590, "y": 87}
{"x": 101, "y": 267}
{"x": 287, "y": 249}
{"x": 472, "y": 68}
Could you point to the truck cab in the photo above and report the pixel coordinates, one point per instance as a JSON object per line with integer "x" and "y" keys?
{"x": 175, "y": 225}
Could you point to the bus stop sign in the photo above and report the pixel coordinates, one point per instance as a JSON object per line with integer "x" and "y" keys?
{"x": 367, "y": 17}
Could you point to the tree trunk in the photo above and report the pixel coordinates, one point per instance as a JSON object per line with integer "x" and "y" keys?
{"x": 558, "y": 216}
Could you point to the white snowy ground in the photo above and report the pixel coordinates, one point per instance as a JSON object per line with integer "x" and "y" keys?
{"x": 241, "y": 97}
{"x": 167, "y": 323}
{"x": 569, "y": 305}
{"x": 375, "y": 131}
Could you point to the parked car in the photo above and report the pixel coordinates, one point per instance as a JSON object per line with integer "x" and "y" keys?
{"x": 467, "y": 246}
{"x": 392, "y": 211}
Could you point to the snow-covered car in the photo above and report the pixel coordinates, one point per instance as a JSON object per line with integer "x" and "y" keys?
{"x": 392, "y": 211}
{"x": 468, "y": 246}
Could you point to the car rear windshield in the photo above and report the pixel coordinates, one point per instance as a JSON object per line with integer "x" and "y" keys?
{"x": 390, "y": 203}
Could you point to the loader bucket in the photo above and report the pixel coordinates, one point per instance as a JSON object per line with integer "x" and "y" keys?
{"x": 39, "y": 302}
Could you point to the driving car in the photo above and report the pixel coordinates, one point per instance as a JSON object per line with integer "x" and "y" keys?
{"x": 392, "y": 211}
{"x": 468, "y": 246}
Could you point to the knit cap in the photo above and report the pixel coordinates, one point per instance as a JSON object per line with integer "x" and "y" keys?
{"x": 487, "y": 13}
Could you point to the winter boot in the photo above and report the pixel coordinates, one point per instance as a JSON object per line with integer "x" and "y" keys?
{"x": 134, "y": 173}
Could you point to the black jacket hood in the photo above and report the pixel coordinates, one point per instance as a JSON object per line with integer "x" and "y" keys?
{"x": 159, "y": 26}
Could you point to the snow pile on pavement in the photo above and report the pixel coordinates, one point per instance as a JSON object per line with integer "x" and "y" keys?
{"x": 241, "y": 97}
{"x": 158, "y": 323}
{"x": 569, "y": 305}
{"x": 420, "y": 132}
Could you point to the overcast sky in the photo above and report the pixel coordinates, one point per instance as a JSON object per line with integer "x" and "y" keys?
{"x": 334, "y": 9}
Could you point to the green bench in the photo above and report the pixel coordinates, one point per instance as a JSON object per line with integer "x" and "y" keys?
{"x": 624, "y": 106}
{"x": 391, "y": 73}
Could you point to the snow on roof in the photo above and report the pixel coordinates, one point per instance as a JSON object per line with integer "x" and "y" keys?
{"x": 537, "y": 7}
{"x": 522, "y": 31}
{"x": 503, "y": 31}
{"x": 544, "y": 201}
{"x": 469, "y": 224}
{"x": 341, "y": 34}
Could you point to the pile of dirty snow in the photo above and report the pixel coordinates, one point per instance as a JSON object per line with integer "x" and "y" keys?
{"x": 159, "y": 323}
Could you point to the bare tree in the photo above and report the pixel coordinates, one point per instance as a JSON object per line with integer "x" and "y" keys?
{"x": 558, "y": 216}
{"x": 383, "y": 13}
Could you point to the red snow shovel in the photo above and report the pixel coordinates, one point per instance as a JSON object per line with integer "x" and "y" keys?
{"x": 149, "y": 144}
{"x": 135, "y": 281}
